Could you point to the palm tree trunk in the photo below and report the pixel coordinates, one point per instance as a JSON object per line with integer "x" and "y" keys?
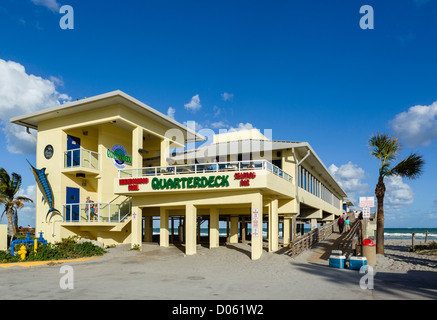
{"x": 9, "y": 215}
{"x": 380, "y": 192}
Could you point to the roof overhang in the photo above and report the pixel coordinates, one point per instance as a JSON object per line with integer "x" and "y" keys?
{"x": 31, "y": 120}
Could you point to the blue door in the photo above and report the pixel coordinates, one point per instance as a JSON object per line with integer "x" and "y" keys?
{"x": 73, "y": 210}
{"x": 73, "y": 154}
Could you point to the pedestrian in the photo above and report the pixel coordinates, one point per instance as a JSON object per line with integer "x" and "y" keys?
{"x": 340, "y": 224}
{"x": 90, "y": 208}
{"x": 347, "y": 226}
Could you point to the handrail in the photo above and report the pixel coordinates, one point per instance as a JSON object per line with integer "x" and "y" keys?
{"x": 309, "y": 239}
{"x": 69, "y": 163}
{"x": 90, "y": 209}
{"x": 206, "y": 168}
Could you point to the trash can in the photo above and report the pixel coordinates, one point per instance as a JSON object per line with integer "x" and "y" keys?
{"x": 369, "y": 251}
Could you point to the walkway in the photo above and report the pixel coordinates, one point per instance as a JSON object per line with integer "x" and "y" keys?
{"x": 337, "y": 241}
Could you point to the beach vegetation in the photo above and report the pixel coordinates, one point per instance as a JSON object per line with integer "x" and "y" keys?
{"x": 430, "y": 248}
{"x": 9, "y": 187}
{"x": 68, "y": 248}
{"x": 387, "y": 149}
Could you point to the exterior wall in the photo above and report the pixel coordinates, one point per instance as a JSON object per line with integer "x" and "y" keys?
{"x": 97, "y": 134}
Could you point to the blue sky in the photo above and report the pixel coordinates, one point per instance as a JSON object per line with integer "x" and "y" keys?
{"x": 304, "y": 69}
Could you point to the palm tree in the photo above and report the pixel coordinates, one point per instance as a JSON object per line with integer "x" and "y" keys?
{"x": 9, "y": 187}
{"x": 386, "y": 150}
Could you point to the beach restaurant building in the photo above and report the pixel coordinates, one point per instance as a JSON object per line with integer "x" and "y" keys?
{"x": 114, "y": 167}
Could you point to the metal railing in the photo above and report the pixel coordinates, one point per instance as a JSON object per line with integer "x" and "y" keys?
{"x": 96, "y": 212}
{"x": 205, "y": 168}
{"x": 81, "y": 158}
{"x": 309, "y": 239}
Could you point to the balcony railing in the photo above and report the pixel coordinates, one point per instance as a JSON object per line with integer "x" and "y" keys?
{"x": 97, "y": 212}
{"x": 81, "y": 158}
{"x": 205, "y": 168}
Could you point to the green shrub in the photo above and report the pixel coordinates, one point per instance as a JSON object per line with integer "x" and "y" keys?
{"x": 68, "y": 248}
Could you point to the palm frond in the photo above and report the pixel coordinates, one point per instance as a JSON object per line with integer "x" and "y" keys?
{"x": 23, "y": 199}
{"x": 385, "y": 149}
{"x": 411, "y": 167}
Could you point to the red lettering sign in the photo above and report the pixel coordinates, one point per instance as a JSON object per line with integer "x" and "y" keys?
{"x": 244, "y": 175}
{"x": 133, "y": 187}
{"x": 133, "y": 181}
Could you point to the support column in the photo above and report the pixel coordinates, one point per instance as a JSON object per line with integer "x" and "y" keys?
{"x": 214, "y": 228}
{"x": 257, "y": 226}
{"x": 286, "y": 230}
{"x": 137, "y": 143}
{"x": 293, "y": 227}
{"x": 163, "y": 231}
{"x": 136, "y": 236}
{"x": 243, "y": 230}
{"x": 165, "y": 152}
{"x": 148, "y": 229}
{"x": 273, "y": 226}
{"x": 190, "y": 229}
{"x": 313, "y": 224}
{"x": 234, "y": 230}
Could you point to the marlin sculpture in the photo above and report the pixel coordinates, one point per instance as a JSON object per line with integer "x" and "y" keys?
{"x": 44, "y": 187}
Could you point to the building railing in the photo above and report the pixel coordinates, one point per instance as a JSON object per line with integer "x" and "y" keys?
{"x": 96, "y": 212}
{"x": 309, "y": 239}
{"x": 205, "y": 168}
{"x": 81, "y": 158}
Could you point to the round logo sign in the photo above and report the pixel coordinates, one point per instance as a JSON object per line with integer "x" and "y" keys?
{"x": 48, "y": 151}
{"x": 119, "y": 156}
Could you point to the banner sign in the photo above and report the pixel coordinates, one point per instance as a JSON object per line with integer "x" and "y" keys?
{"x": 191, "y": 182}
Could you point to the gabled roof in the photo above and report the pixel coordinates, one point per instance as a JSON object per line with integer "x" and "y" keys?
{"x": 31, "y": 120}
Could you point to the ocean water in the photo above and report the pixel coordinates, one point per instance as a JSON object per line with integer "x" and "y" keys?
{"x": 406, "y": 233}
{"x": 389, "y": 233}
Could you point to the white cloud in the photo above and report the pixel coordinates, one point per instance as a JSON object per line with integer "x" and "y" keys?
{"x": 241, "y": 127}
{"x": 349, "y": 176}
{"x": 171, "y": 112}
{"x": 21, "y": 93}
{"x": 398, "y": 194}
{"x": 227, "y": 96}
{"x": 217, "y": 111}
{"x": 417, "y": 126}
{"x": 219, "y": 124}
{"x": 194, "y": 105}
{"x": 50, "y": 4}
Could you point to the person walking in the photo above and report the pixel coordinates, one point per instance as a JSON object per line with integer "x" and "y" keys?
{"x": 340, "y": 224}
{"x": 347, "y": 223}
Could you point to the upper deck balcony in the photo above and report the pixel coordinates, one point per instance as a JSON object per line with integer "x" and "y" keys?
{"x": 81, "y": 160}
{"x": 204, "y": 176}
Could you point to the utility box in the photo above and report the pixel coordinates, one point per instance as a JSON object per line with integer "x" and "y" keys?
{"x": 355, "y": 263}
{"x": 3, "y": 237}
{"x": 337, "y": 261}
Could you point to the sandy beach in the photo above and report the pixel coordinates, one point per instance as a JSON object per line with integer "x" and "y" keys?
{"x": 224, "y": 273}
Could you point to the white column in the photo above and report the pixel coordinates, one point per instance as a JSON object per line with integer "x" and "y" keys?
{"x": 163, "y": 231}
{"x": 136, "y": 236}
{"x": 214, "y": 228}
{"x": 190, "y": 229}
{"x": 257, "y": 226}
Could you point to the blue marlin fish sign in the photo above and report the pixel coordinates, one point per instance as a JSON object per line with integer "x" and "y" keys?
{"x": 44, "y": 187}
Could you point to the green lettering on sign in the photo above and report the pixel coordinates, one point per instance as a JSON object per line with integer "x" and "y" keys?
{"x": 190, "y": 182}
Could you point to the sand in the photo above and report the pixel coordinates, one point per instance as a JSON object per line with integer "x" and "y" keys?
{"x": 221, "y": 273}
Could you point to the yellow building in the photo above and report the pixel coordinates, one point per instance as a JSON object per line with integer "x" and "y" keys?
{"x": 118, "y": 152}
